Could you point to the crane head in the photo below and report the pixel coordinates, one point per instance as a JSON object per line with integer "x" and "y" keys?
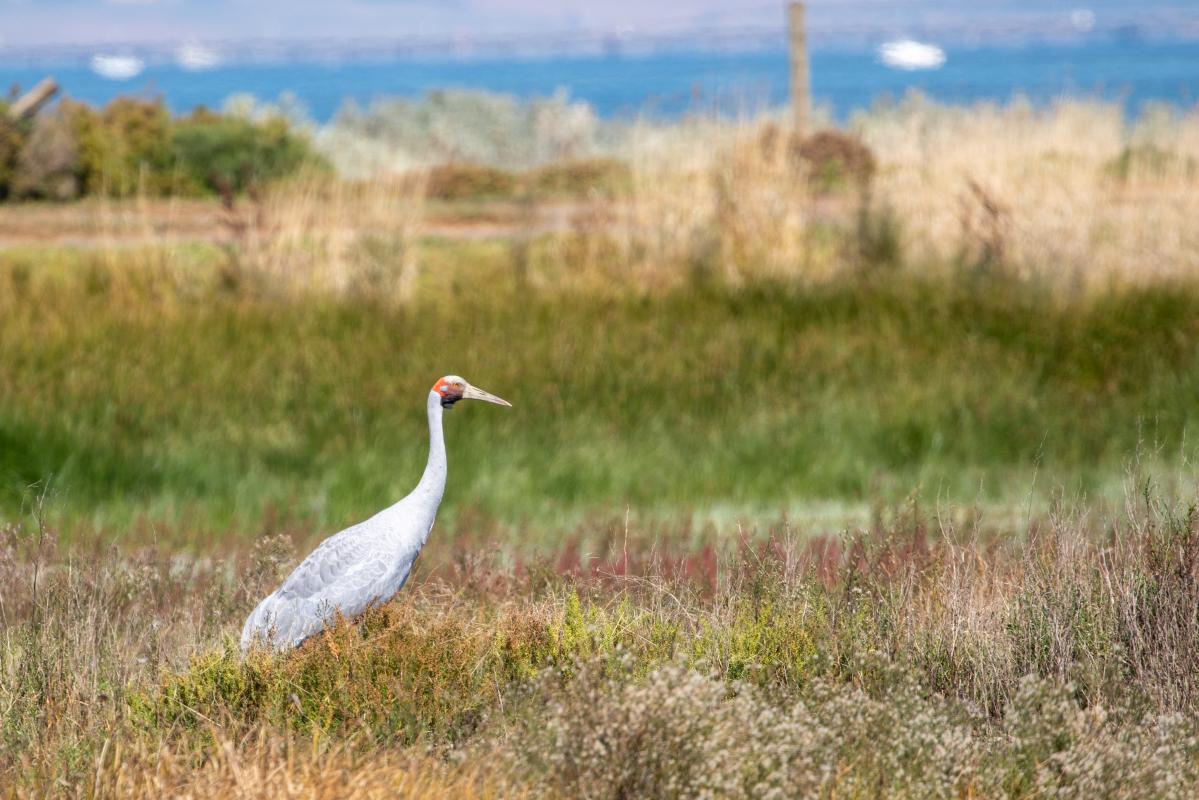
{"x": 451, "y": 389}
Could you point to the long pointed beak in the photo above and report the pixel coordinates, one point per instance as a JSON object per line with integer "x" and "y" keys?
{"x": 474, "y": 393}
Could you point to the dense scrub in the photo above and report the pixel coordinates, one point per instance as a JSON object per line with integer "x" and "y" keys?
{"x": 135, "y": 147}
{"x": 916, "y": 658}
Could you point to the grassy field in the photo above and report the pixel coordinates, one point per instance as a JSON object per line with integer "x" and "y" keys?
{"x": 916, "y": 658}
{"x": 813, "y": 484}
{"x": 150, "y": 408}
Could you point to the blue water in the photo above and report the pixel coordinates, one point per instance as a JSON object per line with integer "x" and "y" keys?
{"x": 1130, "y": 71}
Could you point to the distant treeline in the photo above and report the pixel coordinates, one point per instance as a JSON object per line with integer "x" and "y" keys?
{"x": 135, "y": 146}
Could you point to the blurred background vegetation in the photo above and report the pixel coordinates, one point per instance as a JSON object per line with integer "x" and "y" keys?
{"x": 713, "y": 319}
{"x": 135, "y": 146}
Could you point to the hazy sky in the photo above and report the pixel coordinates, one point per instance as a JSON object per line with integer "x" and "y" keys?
{"x": 34, "y": 22}
{"x": 99, "y": 20}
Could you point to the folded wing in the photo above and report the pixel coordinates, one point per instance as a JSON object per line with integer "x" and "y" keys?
{"x": 345, "y": 574}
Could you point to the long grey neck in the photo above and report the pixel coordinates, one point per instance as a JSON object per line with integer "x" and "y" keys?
{"x": 432, "y": 483}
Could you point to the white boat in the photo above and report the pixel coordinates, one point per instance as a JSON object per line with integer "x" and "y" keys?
{"x": 197, "y": 57}
{"x": 1083, "y": 20}
{"x": 117, "y": 68}
{"x": 908, "y": 54}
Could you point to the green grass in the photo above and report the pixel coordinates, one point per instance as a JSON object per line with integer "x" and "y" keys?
{"x": 173, "y": 401}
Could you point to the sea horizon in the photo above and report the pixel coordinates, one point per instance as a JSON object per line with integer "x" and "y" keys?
{"x": 1132, "y": 71}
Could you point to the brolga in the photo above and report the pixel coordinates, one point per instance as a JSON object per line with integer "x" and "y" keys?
{"x": 364, "y": 565}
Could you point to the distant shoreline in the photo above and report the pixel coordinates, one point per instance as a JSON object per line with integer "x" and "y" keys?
{"x": 667, "y": 85}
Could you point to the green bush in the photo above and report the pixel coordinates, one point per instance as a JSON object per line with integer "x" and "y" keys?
{"x": 123, "y": 149}
{"x": 212, "y": 153}
{"x": 11, "y": 141}
{"x": 134, "y": 146}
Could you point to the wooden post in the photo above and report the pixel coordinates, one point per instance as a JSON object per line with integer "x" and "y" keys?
{"x": 801, "y": 91}
{"x": 28, "y": 104}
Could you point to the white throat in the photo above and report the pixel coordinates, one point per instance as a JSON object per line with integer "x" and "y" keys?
{"x": 432, "y": 482}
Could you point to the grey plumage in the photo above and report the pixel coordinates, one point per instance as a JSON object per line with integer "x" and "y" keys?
{"x": 369, "y": 562}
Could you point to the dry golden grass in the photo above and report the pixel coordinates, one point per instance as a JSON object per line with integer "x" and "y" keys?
{"x": 958, "y": 663}
{"x": 318, "y": 234}
{"x": 270, "y": 765}
{"x": 1071, "y": 194}
{"x": 1079, "y": 195}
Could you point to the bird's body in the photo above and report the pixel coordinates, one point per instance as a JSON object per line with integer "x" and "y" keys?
{"x": 367, "y": 563}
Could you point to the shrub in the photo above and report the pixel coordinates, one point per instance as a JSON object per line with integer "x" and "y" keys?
{"x": 48, "y": 165}
{"x": 123, "y": 149}
{"x": 604, "y": 176}
{"x": 395, "y": 134}
{"x": 461, "y": 181}
{"x": 11, "y": 139}
{"x": 134, "y": 145}
{"x": 679, "y": 733}
{"x": 215, "y": 153}
{"x": 833, "y": 159}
